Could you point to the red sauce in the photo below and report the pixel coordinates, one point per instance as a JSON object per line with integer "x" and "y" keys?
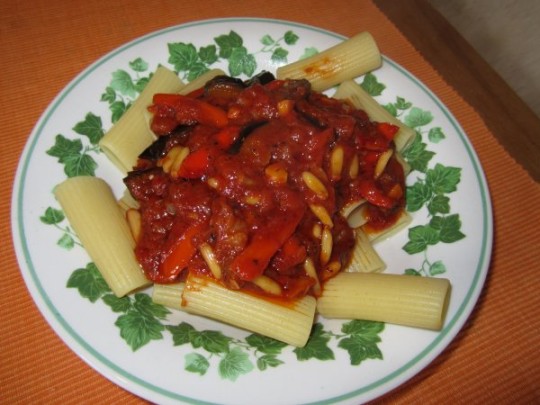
{"x": 241, "y": 189}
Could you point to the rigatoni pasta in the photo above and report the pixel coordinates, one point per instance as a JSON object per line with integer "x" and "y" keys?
{"x": 169, "y": 295}
{"x": 94, "y": 214}
{"x": 131, "y": 135}
{"x": 399, "y": 299}
{"x": 361, "y": 99}
{"x": 290, "y": 323}
{"x": 365, "y": 258}
{"x": 345, "y": 61}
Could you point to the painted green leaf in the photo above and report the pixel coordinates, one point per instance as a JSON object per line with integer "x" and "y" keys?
{"x": 412, "y": 272}
{"x": 449, "y": 228}
{"x": 138, "y": 65}
{"x": 420, "y": 237}
{"x": 265, "y": 344}
{"x": 117, "y": 304}
{"x": 183, "y": 333}
{"x": 211, "y": 341}
{"x": 69, "y": 153}
{"x": 417, "y": 195}
{"x": 369, "y": 329}
{"x": 196, "y": 363}
{"x": 372, "y": 85}
{"x": 137, "y": 329}
{"x": 436, "y": 268}
{"x": 141, "y": 83}
{"x": 443, "y": 179}
{"x": 227, "y": 43}
{"x": 123, "y": 83}
{"x": 90, "y": 127}
{"x": 360, "y": 349}
{"x": 418, "y": 118}
{"x": 440, "y": 204}
{"x": 66, "y": 241}
{"x": 402, "y": 104}
{"x": 417, "y": 156}
{"x": 268, "y": 360}
{"x": 109, "y": 95}
{"x": 279, "y": 55}
{"x": 290, "y": 38}
{"x": 182, "y": 56}
{"x": 234, "y": 364}
{"x": 316, "y": 347}
{"x": 89, "y": 282}
{"x": 267, "y": 40}
{"x": 241, "y": 61}
{"x": 196, "y": 70}
{"x": 309, "y": 52}
{"x": 436, "y": 135}
{"x": 143, "y": 304}
{"x": 63, "y": 148}
{"x": 52, "y": 216}
{"x": 79, "y": 165}
{"x": 118, "y": 108}
{"x": 208, "y": 54}
{"x": 391, "y": 108}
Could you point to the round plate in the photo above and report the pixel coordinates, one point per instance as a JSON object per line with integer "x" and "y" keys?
{"x": 171, "y": 357}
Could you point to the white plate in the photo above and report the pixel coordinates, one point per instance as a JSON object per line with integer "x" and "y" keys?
{"x": 224, "y": 366}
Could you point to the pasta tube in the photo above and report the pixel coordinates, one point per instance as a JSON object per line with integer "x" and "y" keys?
{"x": 365, "y": 258}
{"x": 379, "y": 235}
{"x": 288, "y": 322}
{"x": 169, "y": 295}
{"x": 352, "y": 91}
{"x": 96, "y": 217}
{"x": 131, "y": 135}
{"x": 400, "y": 299}
{"x": 345, "y": 61}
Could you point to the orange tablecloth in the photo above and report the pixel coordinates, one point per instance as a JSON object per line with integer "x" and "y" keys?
{"x": 44, "y": 44}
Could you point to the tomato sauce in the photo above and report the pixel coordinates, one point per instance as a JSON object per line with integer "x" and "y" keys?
{"x": 250, "y": 171}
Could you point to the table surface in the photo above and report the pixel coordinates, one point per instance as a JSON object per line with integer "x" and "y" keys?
{"x": 45, "y": 44}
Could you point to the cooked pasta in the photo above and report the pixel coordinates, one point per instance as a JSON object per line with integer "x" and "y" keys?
{"x": 345, "y": 61}
{"x": 365, "y": 258}
{"x": 94, "y": 214}
{"x": 131, "y": 135}
{"x": 377, "y": 235}
{"x": 169, "y": 295}
{"x": 290, "y": 323}
{"x": 352, "y": 91}
{"x": 399, "y": 299}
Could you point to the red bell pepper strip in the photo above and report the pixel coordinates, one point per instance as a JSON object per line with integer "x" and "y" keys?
{"x": 369, "y": 190}
{"x": 291, "y": 253}
{"x": 189, "y": 110}
{"x": 388, "y": 130}
{"x": 179, "y": 255}
{"x": 196, "y": 93}
{"x": 254, "y": 259}
{"x": 196, "y": 164}
{"x": 226, "y": 137}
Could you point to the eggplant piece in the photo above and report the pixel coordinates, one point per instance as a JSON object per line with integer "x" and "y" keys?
{"x": 156, "y": 150}
{"x": 261, "y": 78}
{"x": 163, "y": 144}
{"x": 312, "y": 113}
{"x": 223, "y": 90}
{"x": 244, "y": 133}
{"x": 143, "y": 184}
